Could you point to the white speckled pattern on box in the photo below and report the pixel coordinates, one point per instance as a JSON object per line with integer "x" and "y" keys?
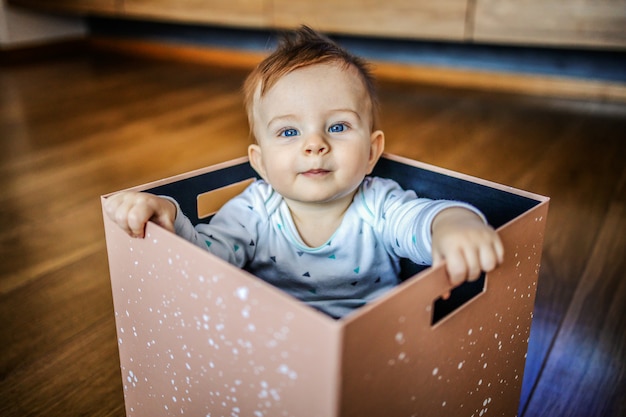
{"x": 200, "y": 337}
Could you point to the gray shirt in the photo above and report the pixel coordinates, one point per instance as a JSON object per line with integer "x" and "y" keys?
{"x": 360, "y": 261}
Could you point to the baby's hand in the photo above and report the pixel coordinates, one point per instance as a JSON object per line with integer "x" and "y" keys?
{"x": 132, "y": 210}
{"x": 466, "y": 243}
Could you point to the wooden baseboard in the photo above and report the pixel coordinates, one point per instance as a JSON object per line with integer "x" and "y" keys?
{"x": 511, "y": 83}
{"x": 230, "y": 58}
{"x": 12, "y": 55}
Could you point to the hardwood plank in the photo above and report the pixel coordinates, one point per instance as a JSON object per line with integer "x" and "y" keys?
{"x": 79, "y": 378}
{"x": 579, "y": 172}
{"x": 149, "y": 122}
{"x": 68, "y": 110}
{"x": 585, "y": 371}
{"x": 123, "y": 121}
{"x": 72, "y": 299}
{"x": 532, "y": 145}
{"x": 58, "y": 352}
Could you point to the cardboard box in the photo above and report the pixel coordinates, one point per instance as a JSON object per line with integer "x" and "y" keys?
{"x": 200, "y": 337}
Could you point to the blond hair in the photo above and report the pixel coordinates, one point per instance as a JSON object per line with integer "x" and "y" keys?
{"x": 301, "y": 48}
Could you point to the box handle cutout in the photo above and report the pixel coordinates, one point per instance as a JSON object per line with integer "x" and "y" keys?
{"x": 459, "y": 296}
{"x": 210, "y": 202}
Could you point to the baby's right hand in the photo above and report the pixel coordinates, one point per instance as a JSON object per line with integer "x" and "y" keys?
{"x": 132, "y": 210}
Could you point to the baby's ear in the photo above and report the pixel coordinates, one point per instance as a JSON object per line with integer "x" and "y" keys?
{"x": 255, "y": 155}
{"x": 377, "y": 147}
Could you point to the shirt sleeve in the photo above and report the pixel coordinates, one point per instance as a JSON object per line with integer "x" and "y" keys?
{"x": 402, "y": 220}
{"x": 232, "y": 232}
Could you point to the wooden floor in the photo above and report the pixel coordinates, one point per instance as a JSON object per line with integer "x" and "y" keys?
{"x": 72, "y": 129}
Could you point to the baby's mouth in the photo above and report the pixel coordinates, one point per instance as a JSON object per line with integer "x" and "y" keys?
{"x": 316, "y": 171}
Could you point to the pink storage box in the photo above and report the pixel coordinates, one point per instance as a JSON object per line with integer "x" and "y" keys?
{"x": 200, "y": 337}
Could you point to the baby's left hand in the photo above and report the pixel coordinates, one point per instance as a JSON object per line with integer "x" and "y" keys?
{"x": 466, "y": 244}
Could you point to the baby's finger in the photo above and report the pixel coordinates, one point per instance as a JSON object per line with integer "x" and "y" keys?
{"x": 124, "y": 206}
{"x": 499, "y": 248}
{"x": 437, "y": 257}
{"x": 111, "y": 205}
{"x": 456, "y": 267}
{"x": 120, "y": 216}
{"x": 138, "y": 215}
{"x": 473, "y": 262}
{"x": 488, "y": 258}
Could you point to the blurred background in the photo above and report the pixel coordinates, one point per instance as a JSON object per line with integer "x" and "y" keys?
{"x": 97, "y": 96}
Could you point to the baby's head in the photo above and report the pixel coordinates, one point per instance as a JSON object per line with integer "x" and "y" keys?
{"x": 302, "y": 48}
{"x": 311, "y": 107}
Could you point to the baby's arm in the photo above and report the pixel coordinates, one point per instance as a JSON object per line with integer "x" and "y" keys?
{"x": 466, "y": 243}
{"x": 132, "y": 210}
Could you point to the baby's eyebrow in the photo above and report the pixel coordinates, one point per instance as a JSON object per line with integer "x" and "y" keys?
{"x": 290, "y": 118}
{"x": 282, "y": 118}
{"x": 354, "y": 112}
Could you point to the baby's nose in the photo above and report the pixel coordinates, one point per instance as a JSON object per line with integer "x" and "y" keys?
{"x": 316, "y": 145}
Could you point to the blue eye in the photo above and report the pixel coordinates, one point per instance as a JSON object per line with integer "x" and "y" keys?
{"x": 338, "y": 128}
{"x": 289, "y": 133}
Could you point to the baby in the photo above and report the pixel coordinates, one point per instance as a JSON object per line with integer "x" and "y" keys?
{"x": 316, "y": 225}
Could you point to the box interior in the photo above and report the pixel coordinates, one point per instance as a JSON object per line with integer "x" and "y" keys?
{"x": 498, "y": 206}
{"x": 253, "y": 341}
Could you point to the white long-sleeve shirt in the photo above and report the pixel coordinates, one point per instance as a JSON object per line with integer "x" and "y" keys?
{"x": 359, "y": 262}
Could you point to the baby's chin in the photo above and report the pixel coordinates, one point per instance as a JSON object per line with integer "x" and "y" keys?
{"x": 321, "y": 199}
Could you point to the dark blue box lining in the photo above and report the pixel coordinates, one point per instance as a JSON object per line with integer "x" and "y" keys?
{"x": 498, "y": 206}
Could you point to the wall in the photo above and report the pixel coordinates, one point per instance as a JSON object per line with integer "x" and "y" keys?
{"x": 599, "y": 65}
{"x": 19, "y": 27}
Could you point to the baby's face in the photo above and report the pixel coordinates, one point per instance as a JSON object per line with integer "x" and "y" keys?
{"x": 313, "y": 131}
